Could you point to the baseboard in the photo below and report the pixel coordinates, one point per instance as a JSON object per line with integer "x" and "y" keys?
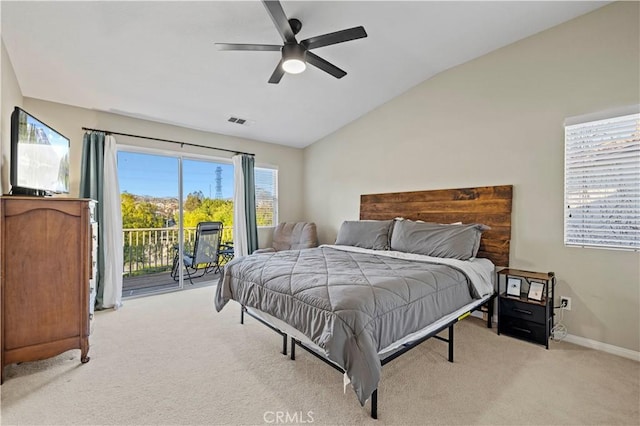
{"x": 604, "y": 347}
{"x": 589, "y": 343}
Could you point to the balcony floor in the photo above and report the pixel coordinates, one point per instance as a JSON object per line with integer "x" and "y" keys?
{"x": 151, "y": 283}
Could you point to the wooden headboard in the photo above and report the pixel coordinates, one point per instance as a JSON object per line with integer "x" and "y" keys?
{"x": 490, "y": 205}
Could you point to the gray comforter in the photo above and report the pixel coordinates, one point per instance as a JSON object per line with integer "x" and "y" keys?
{"x": 349, "y": 304}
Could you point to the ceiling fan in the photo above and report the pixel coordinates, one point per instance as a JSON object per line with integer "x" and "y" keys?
{"x": 295, "y": 55}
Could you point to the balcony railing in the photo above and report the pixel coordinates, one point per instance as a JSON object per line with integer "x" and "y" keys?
{"x": 151, "y": 250}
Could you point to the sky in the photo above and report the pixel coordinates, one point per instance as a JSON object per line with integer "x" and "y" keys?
{"x": 157, "y": 175}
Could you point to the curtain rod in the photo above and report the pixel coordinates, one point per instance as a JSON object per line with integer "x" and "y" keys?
{"x": 109, "y": 132}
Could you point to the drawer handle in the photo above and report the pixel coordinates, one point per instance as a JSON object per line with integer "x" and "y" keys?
{"x": 524, "y": 330}
{"x": 523, "y": 311}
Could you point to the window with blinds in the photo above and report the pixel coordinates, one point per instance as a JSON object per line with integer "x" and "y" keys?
{"x": 266, "y": 196}
{"x": 602, "y": 183}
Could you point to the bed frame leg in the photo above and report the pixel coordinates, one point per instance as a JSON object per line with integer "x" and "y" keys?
{"x": 284, "y": 343}
{"x": 293, "y": 349}
{"x": 242, "y": 308}
{"x": 374, "y": 404}
{"x": 490, "y": 313}
{"x": 451, "y": 343}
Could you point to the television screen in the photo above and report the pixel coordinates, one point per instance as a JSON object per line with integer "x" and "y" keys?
{"x": 39, "y": 156}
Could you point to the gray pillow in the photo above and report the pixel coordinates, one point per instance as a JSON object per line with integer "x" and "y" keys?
{"x": 437, "y": 240}
{"x": 370, "y": 234}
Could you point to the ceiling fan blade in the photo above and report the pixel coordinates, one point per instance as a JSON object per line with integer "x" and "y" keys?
{"x": 334, "y": 38}
{"x": 280, "y": 20}
{"x": 277, "y": 74}
{"x": 325, "y": 66}
{"x": 235, "y": 46}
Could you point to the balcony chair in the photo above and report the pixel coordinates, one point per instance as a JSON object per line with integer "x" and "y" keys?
{"x": 225, "y": 254}
{"x": 206, "y": 255}
{"x": 292, "y": 236}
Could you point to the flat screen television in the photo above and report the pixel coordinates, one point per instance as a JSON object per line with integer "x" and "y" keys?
{"x": 39, "y": 157}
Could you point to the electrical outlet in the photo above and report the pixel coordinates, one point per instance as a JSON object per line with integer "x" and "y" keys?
{"x": 565, "y": 302}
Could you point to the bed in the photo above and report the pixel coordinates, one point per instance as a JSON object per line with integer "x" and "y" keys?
{"x": 412, "y": 266}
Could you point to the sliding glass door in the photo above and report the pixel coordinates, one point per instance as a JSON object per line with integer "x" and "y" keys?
{"x": 159, "y": 219}
{"x": 149, "y": 186}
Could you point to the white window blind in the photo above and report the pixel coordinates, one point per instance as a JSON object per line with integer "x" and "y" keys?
{"x": 602, "y": 183}
{"x": 266, "y": 196}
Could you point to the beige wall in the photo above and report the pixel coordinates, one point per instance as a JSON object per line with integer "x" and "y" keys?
{"x": 499, "y": 120}
{"x": 10, "y": 96}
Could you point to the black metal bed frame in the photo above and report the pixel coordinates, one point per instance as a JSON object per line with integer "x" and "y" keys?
{"x": 383, "y": 361}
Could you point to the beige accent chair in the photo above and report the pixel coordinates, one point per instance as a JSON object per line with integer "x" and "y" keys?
{"x": 292, "y": 236}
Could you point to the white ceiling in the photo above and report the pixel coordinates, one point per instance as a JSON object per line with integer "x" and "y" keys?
{"x": 157, "y": 60}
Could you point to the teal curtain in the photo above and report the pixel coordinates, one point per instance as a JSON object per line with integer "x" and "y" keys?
{"x": 92, "y": 186}
{"x": 248, "y": 163}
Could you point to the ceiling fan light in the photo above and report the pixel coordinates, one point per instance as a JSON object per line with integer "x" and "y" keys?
{"x": 294, "y": 66}
{"x": 293, "y": 58}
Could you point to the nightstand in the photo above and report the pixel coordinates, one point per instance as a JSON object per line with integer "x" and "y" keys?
{"x": 525, "y": 304}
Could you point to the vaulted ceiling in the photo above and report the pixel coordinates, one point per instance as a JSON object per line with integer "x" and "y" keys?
{"x": 157, "y": 60}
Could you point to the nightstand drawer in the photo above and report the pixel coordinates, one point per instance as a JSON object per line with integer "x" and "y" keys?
{"x": 523, "y": 329}
{"x": 526, "y": 311}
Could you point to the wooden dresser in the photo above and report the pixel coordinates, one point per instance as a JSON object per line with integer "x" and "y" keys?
{"x": 45, "y": 249}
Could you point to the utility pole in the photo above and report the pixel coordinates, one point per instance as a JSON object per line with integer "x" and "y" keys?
{"x": 218, "y": 182}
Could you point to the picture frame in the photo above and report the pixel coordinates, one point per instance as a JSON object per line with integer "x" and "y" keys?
{"x": 536, "y": 291}
{"x": 513, "y": 286}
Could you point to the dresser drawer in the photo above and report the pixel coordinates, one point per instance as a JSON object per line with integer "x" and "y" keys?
{"x": 523, "y": 329}
{"x": 527, "y": 311}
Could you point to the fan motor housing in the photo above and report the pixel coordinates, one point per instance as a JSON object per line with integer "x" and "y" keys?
{"x": 294, "y": 51}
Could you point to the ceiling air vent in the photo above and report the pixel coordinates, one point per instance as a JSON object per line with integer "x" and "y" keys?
{"x": 241, "y": 121}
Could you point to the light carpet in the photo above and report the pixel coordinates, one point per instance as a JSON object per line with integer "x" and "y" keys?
{"x": 171, "y": 359}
